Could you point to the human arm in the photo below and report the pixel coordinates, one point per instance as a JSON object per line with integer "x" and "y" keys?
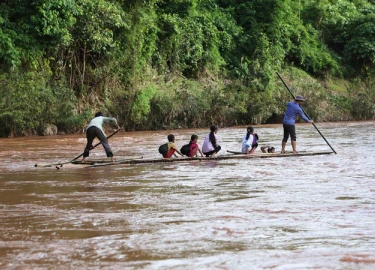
{"x": 178, "y": 153}
{"x": 263, "y": 148}
{"x": 111, "y": 120}
{"x": 199, "y": 150}
{"x": 303, "y": 116}
{"x": 176, "y": 150}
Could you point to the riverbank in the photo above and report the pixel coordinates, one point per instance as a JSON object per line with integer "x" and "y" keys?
{"x": 198, "y": 103}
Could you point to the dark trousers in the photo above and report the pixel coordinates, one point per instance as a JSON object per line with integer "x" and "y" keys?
{"x": 289, "y": 130}
{"x": 217, "y": 149}
{"x": 91, "y": 134}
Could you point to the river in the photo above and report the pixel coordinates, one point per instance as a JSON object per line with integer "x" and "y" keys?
{"x": 309, "y": 212}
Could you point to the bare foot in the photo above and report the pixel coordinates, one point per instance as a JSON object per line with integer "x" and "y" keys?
{"x": 83, "y": 160}
{"x": 283, "y": 152}
{"x": 113, "y": 159}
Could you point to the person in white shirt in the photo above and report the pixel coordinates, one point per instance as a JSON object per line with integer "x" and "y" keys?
{"x": 95, "y": 130}
{"x": 249, "y": 141}
{"x": 211, "y": 143}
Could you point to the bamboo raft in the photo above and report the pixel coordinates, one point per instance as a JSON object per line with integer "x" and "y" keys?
{"x": 232, "y": 155}
{"x": 140, "y": 160}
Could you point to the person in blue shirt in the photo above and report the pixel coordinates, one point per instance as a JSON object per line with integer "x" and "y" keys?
{"x": 293, "y": 109}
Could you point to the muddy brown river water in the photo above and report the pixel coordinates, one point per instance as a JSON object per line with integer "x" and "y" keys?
{"x": 311, "y": 212}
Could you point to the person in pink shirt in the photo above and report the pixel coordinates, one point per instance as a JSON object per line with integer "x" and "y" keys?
{"x": 193, "y": 147}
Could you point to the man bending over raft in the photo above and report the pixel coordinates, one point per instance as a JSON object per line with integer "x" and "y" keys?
{"x": 95, "y": 130}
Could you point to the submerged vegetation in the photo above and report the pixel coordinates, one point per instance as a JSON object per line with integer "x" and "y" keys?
{"x": 182, "y": 63}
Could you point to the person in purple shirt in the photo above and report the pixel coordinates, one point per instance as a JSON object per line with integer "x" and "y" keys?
{"x": 293, "y": 109}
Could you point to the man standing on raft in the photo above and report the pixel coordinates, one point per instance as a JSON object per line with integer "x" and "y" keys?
{"x": 292, "y": 111}
{"x": 95, "y": 130}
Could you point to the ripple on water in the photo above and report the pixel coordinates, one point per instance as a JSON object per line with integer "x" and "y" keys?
{"x": 311, "y": 212}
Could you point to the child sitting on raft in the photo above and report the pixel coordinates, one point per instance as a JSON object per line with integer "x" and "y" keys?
{"x": 193, "y": 147}
{"x": 172, "y": 148}
{"x": 249, "y": 141}
{"x": 211, "y": 143}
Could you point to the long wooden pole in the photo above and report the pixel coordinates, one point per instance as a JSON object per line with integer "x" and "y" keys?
{"x": 77, "y": 157}
{"x": 306, "y": 113}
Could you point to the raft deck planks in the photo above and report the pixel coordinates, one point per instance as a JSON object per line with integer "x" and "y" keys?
{"x": 234, "y": 155}
{"x": 140, "y": 160}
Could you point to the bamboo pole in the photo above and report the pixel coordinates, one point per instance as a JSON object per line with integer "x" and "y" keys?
{"x": 72, "y": 160}
{"x": 306, "y": 113}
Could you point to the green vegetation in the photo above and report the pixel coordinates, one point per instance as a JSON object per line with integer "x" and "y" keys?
{"x": 182, "y": 63}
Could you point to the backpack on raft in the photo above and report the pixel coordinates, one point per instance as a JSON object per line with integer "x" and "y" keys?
{"x": 163, "y": 149}
{"x": 185, "y": 150}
